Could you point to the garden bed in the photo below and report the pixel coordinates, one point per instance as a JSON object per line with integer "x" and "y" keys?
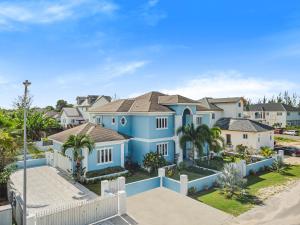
{"x": 192, "y": 172}
{"x": 255, "y": 184}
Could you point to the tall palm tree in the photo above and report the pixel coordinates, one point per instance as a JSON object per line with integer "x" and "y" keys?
{"x": 76, "y": 143}
{"x": 216, "y": 141}
{"x": 196, "y": 137}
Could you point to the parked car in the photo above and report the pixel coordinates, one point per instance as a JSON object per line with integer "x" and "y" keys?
{"x": 291, "y": 132}
{"x": 288, "y": 150}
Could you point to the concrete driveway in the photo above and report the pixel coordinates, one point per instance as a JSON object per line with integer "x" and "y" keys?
{"x": 47, "y": 188}
{"x": 281, "y": 209}
{"x": 161, "y": 206}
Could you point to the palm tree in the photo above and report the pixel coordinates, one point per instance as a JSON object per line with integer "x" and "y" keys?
{"x": 76, "y": 143}
{"x": 216, "y": 141}
{"x": 196, "y": 137}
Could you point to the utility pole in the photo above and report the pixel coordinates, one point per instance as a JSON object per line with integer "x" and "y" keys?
{"x": 26, "y": 84}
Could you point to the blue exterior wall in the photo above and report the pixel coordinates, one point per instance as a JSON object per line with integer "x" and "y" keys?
{"x": 171, "y": 184}
{"x": 204, "y": 182}
{"x": 31, "y": 163}
{"x": 141, "y": 186}
{"x": 256, "y": 166}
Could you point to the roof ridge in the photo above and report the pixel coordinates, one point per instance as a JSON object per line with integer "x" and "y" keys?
{"x": 83, "y": 126}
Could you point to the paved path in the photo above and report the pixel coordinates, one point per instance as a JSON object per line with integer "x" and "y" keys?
{"x": 281, "y": 209}
{"x": 47, "y": 188}
{"x": 161, "y": 206}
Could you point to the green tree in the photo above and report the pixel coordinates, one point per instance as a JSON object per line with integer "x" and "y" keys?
{"x": 61, "y": 104}
{"x": 216, "y": 141}
{"x": 76, "y": 143}
{"x": 154, "y": 161}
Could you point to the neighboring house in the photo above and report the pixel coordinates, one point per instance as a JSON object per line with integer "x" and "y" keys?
{"x": 85, "y": 103}
{"x": 70, "y": 117}
{"x": 212, "y": 109}
{"x": 247, "y": 132}
{"x": 274, "y": 114}
{"x": 53, "y": 114}
{"x": 111, "y": 148}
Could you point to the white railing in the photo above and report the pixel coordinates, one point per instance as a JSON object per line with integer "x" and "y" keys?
{"x": 84, "y": 212}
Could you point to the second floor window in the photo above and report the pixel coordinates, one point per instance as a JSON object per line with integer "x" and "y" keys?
{"x": 245, "y": 136}
{"x": 162, "y": 149}
{"x": 199, "y": 120}
{"x": 161, "y": 122}
{"x": 213, "y": 116}
{"x": 104, "y": 155}
{"x": 98, "y": 120}
{"x": 279, "y": 114}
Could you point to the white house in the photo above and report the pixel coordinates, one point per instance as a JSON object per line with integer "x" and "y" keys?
{"x": 70, "y": 117}
{"x": 254, "y": 135}
{"x": 84, "y": 103}
{"x": 272, "y": 114}
{"x": 212, "y": 109}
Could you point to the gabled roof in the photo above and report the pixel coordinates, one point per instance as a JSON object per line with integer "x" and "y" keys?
{"x": 175, "y": 99}
{"x": 281, "y": 107}
{"x": 205, "y": 105}
{"x": 225, "y": 100}
{"x": 90, "y": 99}
{"x": 71, "y": 112}
{"x": 96, "y": 132}
{"x": 144, "y": 103}
{"x": 243, "y": 125}
{"x": 51, "y": 114}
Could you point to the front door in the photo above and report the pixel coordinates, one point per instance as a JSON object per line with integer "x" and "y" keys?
{"x": 228, "y": 139}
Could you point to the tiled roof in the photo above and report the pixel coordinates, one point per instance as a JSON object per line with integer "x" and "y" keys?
{"x": 224, "y": 100}
{"x": 175, "y": 99}
{"x": 273, "y": 107}
{"x": 96, "y": 132}
{"x": 144, "y": 103}
{"x": 51, "y": 114}
{"x": 205, "y": 105}
{"x": 240, "y": 124}
{"x": 71, "y": 112}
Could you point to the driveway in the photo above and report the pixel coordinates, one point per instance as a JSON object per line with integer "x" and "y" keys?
{"x": 161, "y": 206}
{"x": 281, "y": 209}
{"x": 47, "y": 188}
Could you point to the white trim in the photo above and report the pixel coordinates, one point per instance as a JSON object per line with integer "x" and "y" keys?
{"x": 154, "y": 139}
{"x": 132, "y": 113}
{"x": 187, "y": 107}
{"x": 101, "y": 149}
{"x": 99, "y": 144}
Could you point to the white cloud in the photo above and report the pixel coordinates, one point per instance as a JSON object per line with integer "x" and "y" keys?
{"x": 151, "y": 14}
{"x": 230, "y": 83}
{"x": 41, "y": 12}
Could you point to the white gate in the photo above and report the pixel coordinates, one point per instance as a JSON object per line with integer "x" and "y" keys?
{"x": 62, "y": 162}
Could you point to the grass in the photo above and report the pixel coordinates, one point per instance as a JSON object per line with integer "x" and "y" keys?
{"x": 136, "y": 176}
{"x": 236, "y": 206}
{"x": 284, "y": 139}
{"x": 216, "y": 164}
{"x": 193, "y": 173}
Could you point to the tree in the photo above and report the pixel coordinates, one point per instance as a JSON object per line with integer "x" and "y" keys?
{"x": 154, "y": 161}
{"x": 266, "y": 151}
{"x": 231, "y": 180}
{"x": 243, "y": 152}
{"x": 216, "y": 141}
{"x": 8, "y": 149}
{"x": 19, "y": 102}
{"x": 61, "y": 104}
{"x": 76, "y": 143}
{"x": 195, "y": 137}
{"x": 49, "y": 108}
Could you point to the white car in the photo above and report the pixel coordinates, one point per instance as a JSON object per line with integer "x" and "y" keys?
{"x": 291, "y": 132}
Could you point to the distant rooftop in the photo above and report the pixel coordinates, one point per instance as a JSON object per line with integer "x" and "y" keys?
{"x": 273, "y": 107}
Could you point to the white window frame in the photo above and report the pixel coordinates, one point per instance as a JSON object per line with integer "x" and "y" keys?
{"x": 99, "y": 155}
{"x": 161, "y": 123}
{"x": 245, "y": 136}
{"x": 197, "y": 120}
{"x": 162, "y": 148}
{"x": 123, "y": 117}
{"x": 98, "y": 120}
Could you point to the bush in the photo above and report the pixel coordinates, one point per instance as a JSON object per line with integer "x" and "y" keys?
{"x": 266, "y": 151}
{"x": 154, "y": 161}
{"x": 252, "y": 172}
{"x": 131, "y": 166}
{"x": 278, "y": 166}
{"x": 106, "y": 171}
{"x": 192, "y": 191}
{"x": 181, "y": 166}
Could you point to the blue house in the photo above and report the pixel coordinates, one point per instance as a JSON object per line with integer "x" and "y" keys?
{"x": 130, "y": 128}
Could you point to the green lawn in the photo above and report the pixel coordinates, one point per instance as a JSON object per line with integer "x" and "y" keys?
{"x": 237, "y": 206}
{"x": 138, "y": 175}
{"x": 284, "y": 139}
{"x": 192, "y": 173}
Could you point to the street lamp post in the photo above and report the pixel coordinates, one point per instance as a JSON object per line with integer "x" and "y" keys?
{"x": 26, "y": 84}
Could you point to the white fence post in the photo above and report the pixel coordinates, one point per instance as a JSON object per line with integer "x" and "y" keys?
{"x": 122, "y": 204}
{"x": 243, "y": 168}
{"x": 121, "y": 183}
{"x": 280, "y": 155}
{"x": 104, "y": 187}
{"x": 184, "y": 184}
{"x": 161, "y": 174}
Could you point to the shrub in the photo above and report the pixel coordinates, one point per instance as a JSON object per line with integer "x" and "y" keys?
{"x": 266, "y": 151}
{"x": 252, "y": 172}
{"x": 278, "y": 166}
{"x": 153, "y": 161}
{"x": 192, "y": 191}
{"x": 231, "y": 181}
{"x": 106, "y": 171}
{"x": 181, "y": 166}
{"x": 131, "y": 166}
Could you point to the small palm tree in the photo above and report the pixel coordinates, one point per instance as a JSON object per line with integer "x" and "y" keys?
{"x": 76, "y": 143}
{"x": 196, "y": 137}
{"x": 216, "y": 141}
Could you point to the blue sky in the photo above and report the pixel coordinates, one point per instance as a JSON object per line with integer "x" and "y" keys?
{"x": 195, "y": 48}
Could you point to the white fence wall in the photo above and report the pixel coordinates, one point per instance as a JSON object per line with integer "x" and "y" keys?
{"x": 58, "y": 160}
{"x": 85, "y": 212}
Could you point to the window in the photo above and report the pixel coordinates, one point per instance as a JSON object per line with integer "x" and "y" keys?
{"x": 104, "y": 155}
{"x": 161, "y": 122}
{"x": 72, "y": 121}
{"x": 240, "y": 104}
{"x": 279, "y": 114}
{"x": 245, "y": 136}
{"x": 113, "y": 120}
{"x": 213, "y": 116}
{"x": 258, "y": 138}
{"x": 240, "y": 115}
{"x": 123, "y": 121}
{"x": 288, "y": 113}
{"x": 198, "y": 120}
{"x": 162, "y": 149}
{"x": 99, "y": 120}
{"x": 228, "y": 139}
